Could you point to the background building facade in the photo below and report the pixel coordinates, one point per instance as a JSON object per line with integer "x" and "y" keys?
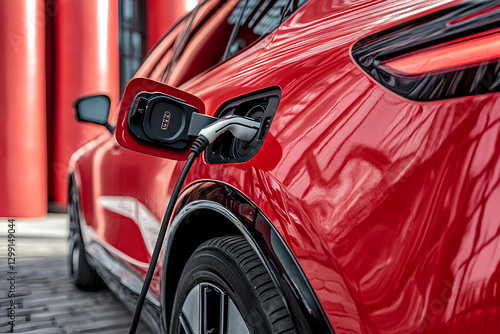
{"x": 55, "y": 51}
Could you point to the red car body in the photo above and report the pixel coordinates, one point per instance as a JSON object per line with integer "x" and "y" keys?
{"x": 390, "y": 206}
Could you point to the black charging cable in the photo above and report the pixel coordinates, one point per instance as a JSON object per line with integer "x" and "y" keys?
{"x": 198, "y": 147}
{"x": 243, "y": 128}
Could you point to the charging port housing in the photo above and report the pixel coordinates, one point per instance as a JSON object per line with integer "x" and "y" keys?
{"x": 261, "y": 106}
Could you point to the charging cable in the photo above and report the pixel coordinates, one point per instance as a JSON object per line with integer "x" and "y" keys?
{"x": 243, "y": 128}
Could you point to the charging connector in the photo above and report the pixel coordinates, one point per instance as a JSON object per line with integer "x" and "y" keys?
{"x": 243, "y": 128}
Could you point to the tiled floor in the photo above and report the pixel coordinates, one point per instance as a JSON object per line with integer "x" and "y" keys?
{"x": 46, "y": 301}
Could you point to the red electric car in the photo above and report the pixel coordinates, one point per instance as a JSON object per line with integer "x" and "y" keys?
{"x": 367, "y": 202}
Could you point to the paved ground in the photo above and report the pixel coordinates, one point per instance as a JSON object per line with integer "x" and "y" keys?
{"x": 46, "y": 301}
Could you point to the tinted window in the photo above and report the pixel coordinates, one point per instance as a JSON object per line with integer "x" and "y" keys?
{"x": 256, "y": 18}
{"x": 217, "y": 29}
{"x": 204, "y": 42}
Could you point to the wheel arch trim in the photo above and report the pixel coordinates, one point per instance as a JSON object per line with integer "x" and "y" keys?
{"x": 242, "y": 217}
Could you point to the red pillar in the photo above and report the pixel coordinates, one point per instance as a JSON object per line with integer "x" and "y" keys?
{"x": 87, "y": 62}
{"x": 160, "y": 16}
{"x": 23, "y": 150}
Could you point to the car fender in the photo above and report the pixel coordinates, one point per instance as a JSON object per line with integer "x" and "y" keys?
{"x": 209, "y": 209}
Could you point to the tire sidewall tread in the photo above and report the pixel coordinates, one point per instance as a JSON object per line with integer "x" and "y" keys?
{"x": 231, "y": 262}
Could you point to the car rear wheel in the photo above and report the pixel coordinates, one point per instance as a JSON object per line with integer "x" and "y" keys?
{"x": 82, "y": 274}
{"x": 225, "y": 288}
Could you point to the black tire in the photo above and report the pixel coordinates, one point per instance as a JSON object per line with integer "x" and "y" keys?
{"x": 228, "y": 287}
{"x": 83, "y": 275}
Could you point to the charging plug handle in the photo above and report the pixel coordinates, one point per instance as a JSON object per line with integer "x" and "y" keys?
{"x": 243, "y": 128}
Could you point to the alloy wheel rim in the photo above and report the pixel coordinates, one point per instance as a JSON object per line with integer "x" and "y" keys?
{"x": 208, "y": 309}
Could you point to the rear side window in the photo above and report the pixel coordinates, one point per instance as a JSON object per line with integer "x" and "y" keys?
{"x": 157, "y": 60}
{"x": 233, "y": 26}
{"x": 254, "y": 19}
{"x": 205, "y": 43}
{"x": 216, "y": 30}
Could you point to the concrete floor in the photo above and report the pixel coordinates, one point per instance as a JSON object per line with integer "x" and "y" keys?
{"x": 46, "y": 300}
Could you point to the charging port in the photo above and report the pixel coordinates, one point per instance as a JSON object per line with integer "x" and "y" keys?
{"x": 260, "y": 106}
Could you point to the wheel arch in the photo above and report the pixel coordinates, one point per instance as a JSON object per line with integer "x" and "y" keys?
{"x": 210, "y": 209}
